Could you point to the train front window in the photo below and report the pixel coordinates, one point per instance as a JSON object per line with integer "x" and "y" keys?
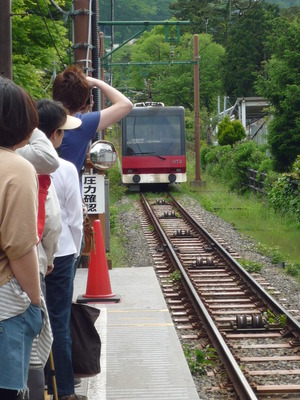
{"x": 156, "y": 135}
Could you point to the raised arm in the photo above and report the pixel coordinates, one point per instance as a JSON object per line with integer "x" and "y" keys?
{"x": 120, "y": 107}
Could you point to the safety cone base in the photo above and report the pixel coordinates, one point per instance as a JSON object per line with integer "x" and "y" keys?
{"x": 98, "y": 299}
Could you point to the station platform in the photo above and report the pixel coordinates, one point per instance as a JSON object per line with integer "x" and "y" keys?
{"x": 141, "y": 356}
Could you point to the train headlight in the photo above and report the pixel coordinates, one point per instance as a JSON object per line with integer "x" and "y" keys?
{"x": 136, "y": 178}
{"x": 172, "y": 178}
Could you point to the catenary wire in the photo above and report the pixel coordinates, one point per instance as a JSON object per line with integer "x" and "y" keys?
{"x": 45, "y": 22}
{"x": 58, "y": 8}
{"x": 55, "y": 27}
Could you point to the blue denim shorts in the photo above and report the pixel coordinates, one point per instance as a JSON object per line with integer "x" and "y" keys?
{"x": 16, "y": 336}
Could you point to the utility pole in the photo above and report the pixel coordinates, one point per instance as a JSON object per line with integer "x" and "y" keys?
{"x": 95, "y": 53}
{"x": 112, "y": 38}
{"x": 197, "y": 106}
{"x": 103, "y": 133}
{"x": 86, "y": 40}
{"x": 86, "y": 55}
{"x": 5, "y": 40}
{"x": 197, "y": 181}
{"x": 82, "y": 33}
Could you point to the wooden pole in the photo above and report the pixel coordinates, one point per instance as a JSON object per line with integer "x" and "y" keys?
{"x": 82, "y": 35}
{"x": 52, "y": 369}
{"x": 197, "y": 182}
{"x": 197, "y": 107}
{"x": 5, "y": 40}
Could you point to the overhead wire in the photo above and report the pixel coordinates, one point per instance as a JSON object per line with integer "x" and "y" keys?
{"x": 53, "y": 22}
{"x": 69, "y": 47}
{"x": 51, "y": 37}
{"x": 58, "y": 8}
{"x": 67, "y": 13}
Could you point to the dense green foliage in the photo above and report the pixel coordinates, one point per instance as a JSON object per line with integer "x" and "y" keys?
{"x": 230, "y": 132}
{"x": 245, "y": 50}
{"x": 130, "y": 10}
{"x": 284, "y": 195}
{"x": 40, "y": 44}
{"x": 280, "y": 82}
{"x": 234, "y": 52}
{"x": 218, "y": 18}
{"x": 171, "y": 83}
{"x": 204, "y": 16}
{"x": 257, "y": 43}
{"x": 230, "y": 166}
{"x": 284, "y": 3}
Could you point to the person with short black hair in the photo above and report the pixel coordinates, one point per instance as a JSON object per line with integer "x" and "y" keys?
{"x": 42, "y": 155}
{"x": 53, "y": 119}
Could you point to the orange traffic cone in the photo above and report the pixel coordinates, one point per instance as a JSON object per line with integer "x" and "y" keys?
{"x": 98, "y": 287}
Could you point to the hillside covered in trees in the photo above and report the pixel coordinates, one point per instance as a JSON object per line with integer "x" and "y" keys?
{"x": 249, "y": 50}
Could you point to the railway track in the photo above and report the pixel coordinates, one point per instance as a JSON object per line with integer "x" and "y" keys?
{"x": 257, "y": 340}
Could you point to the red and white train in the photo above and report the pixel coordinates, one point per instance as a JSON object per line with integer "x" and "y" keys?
{"x": 153, "y": 145}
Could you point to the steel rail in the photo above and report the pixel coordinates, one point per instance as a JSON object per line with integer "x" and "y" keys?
{"x": 239, "y": 381}
{"x": 255, "y": 286}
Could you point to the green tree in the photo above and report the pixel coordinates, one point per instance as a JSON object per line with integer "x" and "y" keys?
{"x": 280, "y": 82}
{"x": 285, "y": 3}
{"x": 218, "y": 17}
{"x": 40, "y": 44}
{"x": 230, "y": 132}
{"x": 172, "y": 84}
{"x": 245, "y": 50}
{"x": 205, "y": 16}
{"x": 130, "y": 10}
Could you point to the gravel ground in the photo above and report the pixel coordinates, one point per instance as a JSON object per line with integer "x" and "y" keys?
{"x": 138, "y": 255}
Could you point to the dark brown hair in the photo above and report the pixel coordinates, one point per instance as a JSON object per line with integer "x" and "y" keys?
{"x": 71, "y": 88}
{"x": 51, "y": 114}
{"x": 18, "y": 114}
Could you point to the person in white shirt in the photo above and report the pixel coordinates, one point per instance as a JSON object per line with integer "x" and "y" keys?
{"x": 59, "y": 284}
{"x": 40, "y": 152}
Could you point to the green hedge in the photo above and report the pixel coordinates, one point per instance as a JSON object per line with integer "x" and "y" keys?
{"x": 230, "y": 166}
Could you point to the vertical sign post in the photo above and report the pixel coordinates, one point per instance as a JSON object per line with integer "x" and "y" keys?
{"x": 5, "y": 40}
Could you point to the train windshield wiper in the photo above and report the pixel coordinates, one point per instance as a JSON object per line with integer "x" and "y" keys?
{"x": 150, "y": 153}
